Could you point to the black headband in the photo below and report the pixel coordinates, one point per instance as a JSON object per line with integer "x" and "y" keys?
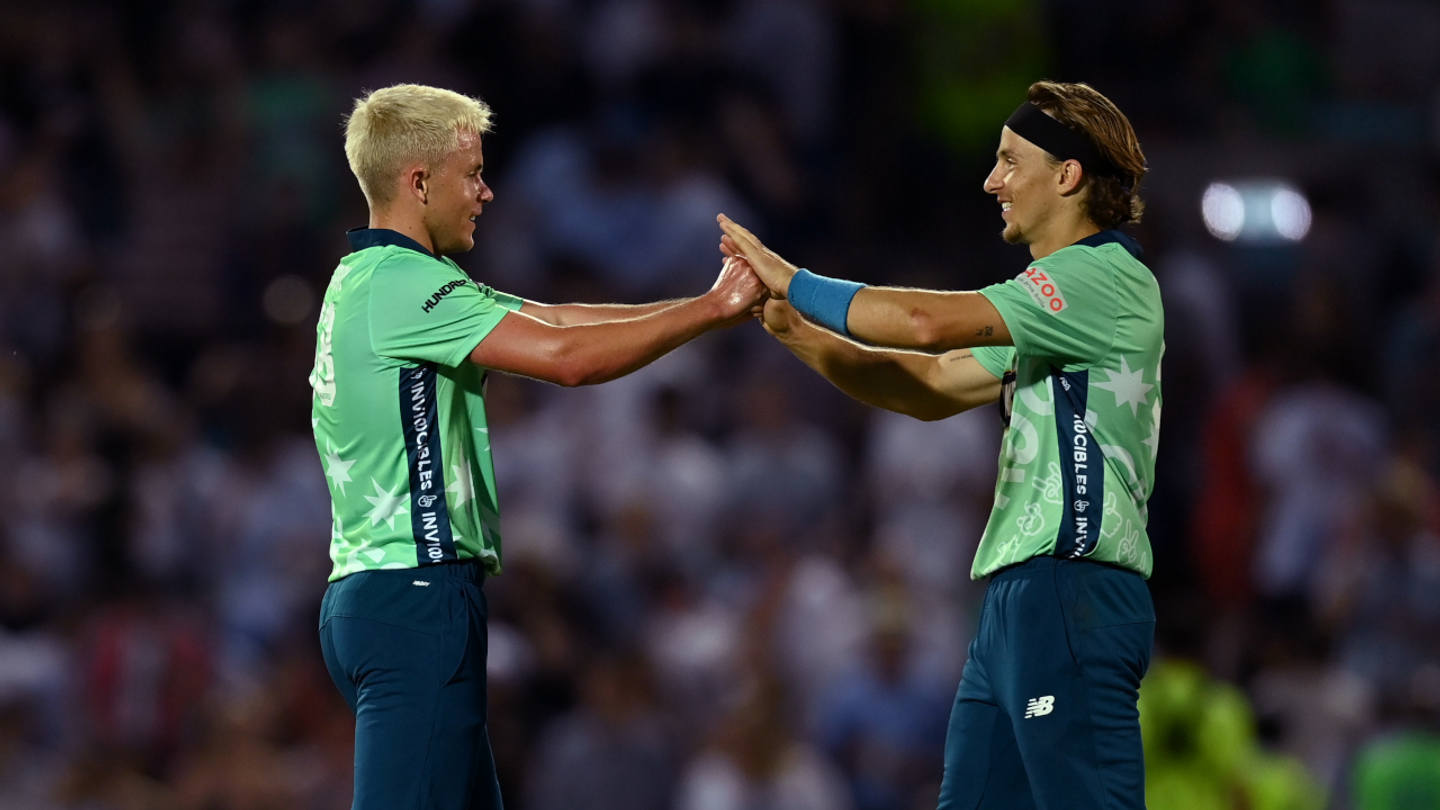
{"x": 1032, "y": 124}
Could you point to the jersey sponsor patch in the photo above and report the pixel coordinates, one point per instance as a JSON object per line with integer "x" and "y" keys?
{"x": 1043, "y": 289}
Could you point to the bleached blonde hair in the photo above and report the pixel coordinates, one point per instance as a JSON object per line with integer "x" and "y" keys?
{"x": 402, "y": 124}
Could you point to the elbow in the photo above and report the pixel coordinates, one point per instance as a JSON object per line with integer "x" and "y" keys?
{"x": 575, "y": 369}
{"x": 930, "y": 414}
{"x": 933, "y": 410}
{"x": 572, "y": 374}
{"x": 572, "y": 361}
{"x": 562, "y": 363}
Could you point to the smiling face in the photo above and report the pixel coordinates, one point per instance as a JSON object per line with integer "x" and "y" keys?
{"x": 1028, "y": 187}
{"x": 454, "y": 195}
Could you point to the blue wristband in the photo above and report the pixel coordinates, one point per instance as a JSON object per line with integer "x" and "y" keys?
{"x": 823, "y": 300}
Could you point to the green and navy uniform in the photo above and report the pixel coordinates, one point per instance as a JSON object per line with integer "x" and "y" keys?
{"x": 1046, "y": 711}
{"x": 399, "y": 419}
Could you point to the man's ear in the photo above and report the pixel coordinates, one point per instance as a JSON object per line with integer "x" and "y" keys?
{"x": 1069, "y": 180}
{"x": 416, "y": 183}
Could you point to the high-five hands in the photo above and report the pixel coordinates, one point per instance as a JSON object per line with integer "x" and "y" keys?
{"x": 767, "y": 264}
{"x": 778, "y": 316}
{"x": 738, "y": 292}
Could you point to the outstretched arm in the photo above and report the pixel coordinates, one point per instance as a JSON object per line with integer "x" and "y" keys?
{"x": 580, "y": 314}
{"x": 925, "y": 320}
{"x": 925, "y": 386}
{"x": 589, "y": 353}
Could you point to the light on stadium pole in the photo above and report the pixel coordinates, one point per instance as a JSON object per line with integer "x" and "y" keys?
{"x": 1257, "y": 212}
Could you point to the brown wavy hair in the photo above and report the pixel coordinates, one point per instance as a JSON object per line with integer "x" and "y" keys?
{"x": 1110, "y": 201}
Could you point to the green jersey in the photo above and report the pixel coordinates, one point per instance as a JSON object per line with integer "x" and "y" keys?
{"x": 1081, "y": 402}
{"x": 399, "y": 411}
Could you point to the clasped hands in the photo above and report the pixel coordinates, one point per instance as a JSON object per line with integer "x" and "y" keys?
{"x": 744, "y": 252}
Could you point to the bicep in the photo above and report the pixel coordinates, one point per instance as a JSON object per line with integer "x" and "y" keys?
{"x": 926, "y": 320}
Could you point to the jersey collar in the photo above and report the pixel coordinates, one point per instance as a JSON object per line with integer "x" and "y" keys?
{"x": 1119, "y": 237}
{"x": 361, "y": 238}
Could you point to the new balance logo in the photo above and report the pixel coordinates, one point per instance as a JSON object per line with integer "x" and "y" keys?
{"x": 1040, "y": 706}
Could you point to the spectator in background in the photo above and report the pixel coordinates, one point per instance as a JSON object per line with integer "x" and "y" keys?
{"x": 612, "y": 752}
{"x": 29, "y": 771}
{"x": 636, "y": 204}
{"x": 1316, "y": 448}
{"x": 1380, "y": 587}
{"x": 756, "y": 762}
{"x": 784, "y": 470}
{"x": 882, "y": 720}
{"x": 932, "y": 484}
{"x": 146, "y": 671}
{"x": 237, "y": 764}
{"x": 154, "y": 125}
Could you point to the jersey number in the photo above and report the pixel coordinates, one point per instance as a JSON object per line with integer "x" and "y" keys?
{"x": 322, "y": 378}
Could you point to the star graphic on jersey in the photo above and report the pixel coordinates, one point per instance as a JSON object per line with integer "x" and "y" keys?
{"x": 463, "y": 485}
{"x": 337, "y": 469}
{"x": 1154, "y": 441}
{"x": 387, "y": 506}
{"x": 484, "y": 435}
{"x": 1129, "y": 387}
{"x": 489, "y": 523}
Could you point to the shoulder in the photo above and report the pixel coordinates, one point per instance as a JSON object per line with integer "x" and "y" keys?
{"x": 404, "y": 271}
{"x": 1106, "y": 258}
{"x": 1102, "y": 267}
{"x": 394, "y": 260}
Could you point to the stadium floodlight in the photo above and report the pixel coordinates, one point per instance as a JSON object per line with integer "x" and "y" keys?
{"x": 1256, "y": 212}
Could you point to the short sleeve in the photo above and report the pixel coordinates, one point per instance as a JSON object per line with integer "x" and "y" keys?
{"x": 506, "y": 300}
{"x": 1061, "y": 309}
{"x": 996, "y": 359}
{"x": 430, "y": 311}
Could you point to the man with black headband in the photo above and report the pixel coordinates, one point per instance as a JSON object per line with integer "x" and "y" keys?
{"x": 1046, "y": 711}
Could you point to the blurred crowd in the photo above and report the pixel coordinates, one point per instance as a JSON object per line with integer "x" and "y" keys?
{"x": 727, "y": 587}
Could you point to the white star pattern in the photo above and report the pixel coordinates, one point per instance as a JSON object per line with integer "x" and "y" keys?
{"x": 337, "y": 469}
{"x": 1129, "y": 387}
{"x": 387, "y": 506}
{"x": 1154, "y": 441}
{"x": 489, "y": 524}
{"x": 463, "y": 485}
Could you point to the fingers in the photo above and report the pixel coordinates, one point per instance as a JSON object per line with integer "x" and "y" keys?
{"x": 742, "y": 237}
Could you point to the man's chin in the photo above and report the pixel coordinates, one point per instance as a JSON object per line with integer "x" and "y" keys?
{"x": 458, "y": 245}
{"x": 1012, "y": 235}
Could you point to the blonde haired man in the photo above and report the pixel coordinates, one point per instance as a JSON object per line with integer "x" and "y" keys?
{"x": 403, "y": 344}
{"x": 1046, "y": 711}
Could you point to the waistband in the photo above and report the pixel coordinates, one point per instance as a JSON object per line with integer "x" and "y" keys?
{"x": 1045, "y": 562}
{"x": 465, "y": 570}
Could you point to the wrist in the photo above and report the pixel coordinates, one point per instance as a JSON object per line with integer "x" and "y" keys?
{"x": 711, "y": 305}
{"x": 787, "y": 279}
{"x": 823, "y": 300}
